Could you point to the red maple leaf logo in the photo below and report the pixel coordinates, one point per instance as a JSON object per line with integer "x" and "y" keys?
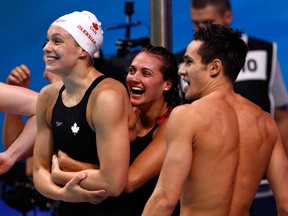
{"x": 95, "y": 26}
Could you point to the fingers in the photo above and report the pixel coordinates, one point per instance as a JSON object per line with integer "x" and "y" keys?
{"x": 78, "y": 193}
{"x": 96, "y": 197}
{"x": 64, "y": 161}
{"x": 96, "y": 202}
{"x": 54, "y": 165}
{"x": 76, "y": 180}
{"x": 55, "y": 160}
{"x": 20, "y": 76}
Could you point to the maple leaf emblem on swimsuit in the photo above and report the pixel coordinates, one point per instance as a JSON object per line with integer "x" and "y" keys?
{"x": 75, "y": 128}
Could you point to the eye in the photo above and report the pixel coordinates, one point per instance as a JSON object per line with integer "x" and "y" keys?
{"x": 146, "y": 73}
{"x": 188, "y": 62}
{"x": 56, "y": 41}
{"x": 131, "y": 70}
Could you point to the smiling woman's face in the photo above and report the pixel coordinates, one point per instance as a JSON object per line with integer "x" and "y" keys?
{"x": 144, "y": 80}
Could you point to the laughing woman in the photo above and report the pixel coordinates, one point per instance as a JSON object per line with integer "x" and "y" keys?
{"x": 153, "y": 86}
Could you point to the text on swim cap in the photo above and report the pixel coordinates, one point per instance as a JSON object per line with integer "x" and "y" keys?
{"x": 87, "y": 34}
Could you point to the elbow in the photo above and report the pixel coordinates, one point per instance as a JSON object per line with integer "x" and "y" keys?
{"x": 36, "y": 183}
{"x": 115, "y": 192}
{"x": 117, "y": 188}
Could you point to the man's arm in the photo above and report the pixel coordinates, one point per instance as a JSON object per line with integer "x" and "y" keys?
{"x": 281, "y": 117}
{"x": 176, "y": 167}
{"x": 277, "y": 175}
{"x": 280, "y": 97}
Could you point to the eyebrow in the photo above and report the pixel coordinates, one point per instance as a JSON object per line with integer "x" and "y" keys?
{"x": 186, "y": 58}
{"x": 57, "y": 35}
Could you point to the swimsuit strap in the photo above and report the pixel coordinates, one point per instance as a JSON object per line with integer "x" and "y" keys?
{"x": 161, "y": 118}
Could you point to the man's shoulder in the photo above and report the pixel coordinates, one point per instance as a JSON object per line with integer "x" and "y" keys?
{"x": 195, "y": 108}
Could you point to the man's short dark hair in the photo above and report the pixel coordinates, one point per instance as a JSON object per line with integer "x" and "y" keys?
{"x": 224, "y": 43}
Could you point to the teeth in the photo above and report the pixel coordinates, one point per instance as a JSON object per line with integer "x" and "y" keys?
{"x": 50, "y": 58}
{"x": 136, "y": 88}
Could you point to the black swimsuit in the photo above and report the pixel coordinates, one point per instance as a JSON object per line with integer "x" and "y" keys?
{"x": 139, "y": 197}
{"x": 72, "y": 134}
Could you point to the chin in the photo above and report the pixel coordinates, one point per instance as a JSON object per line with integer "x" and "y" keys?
{"x": 187, "y": 96}
{"x": 134, "y": 101}
{"x": 190, "y": 97}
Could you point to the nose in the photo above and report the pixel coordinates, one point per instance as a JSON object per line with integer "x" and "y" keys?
{"x": 46, "y": 46}
{"x": 135, "y": 77}
{"x": 181, "y": 70}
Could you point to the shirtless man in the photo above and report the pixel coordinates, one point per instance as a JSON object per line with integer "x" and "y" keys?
{"x": 221, "y": 145}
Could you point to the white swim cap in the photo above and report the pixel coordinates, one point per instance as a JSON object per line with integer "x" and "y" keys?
{"x": 85, "y": 28}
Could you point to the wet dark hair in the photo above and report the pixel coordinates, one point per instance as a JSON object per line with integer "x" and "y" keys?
{"x": 221, "y": 5}
{"x": 169, "y": 69}
{"x": 222, "y": 43}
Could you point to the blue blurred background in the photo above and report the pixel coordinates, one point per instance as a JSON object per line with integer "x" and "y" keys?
{"x": 24, "y": 24}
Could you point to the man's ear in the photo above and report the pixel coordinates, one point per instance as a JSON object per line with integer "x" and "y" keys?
{"x": 228, "y": 17}
{"x": 216, "y": 67}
